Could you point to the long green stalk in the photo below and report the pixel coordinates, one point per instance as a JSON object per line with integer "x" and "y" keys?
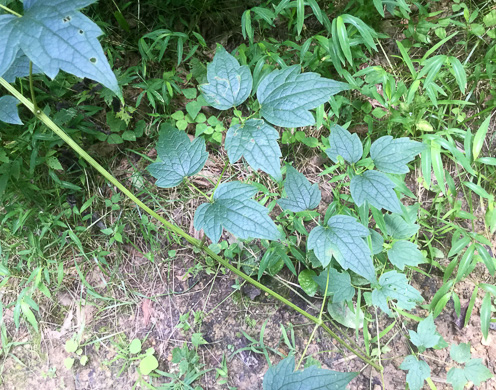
{"x": 176, "y": 229}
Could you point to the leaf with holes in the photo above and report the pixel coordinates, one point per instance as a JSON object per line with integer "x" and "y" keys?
{"x": 418, "y": 372}
{"x": 256, "y": 141}
{"x": 286, "y": 96}
{"x": 342, "y": 238}
{"x": 233, "y": 210}
{"x": 8, "y": 110}
{"x": 344, "y": 144}
{"x": 229, "y": 83}
{"x": 55, "y": 36}
{"x": 283, "y": 377}
{"x": 405, "y": 253}
{"x": 339, "y": 286}
{"x": 393, "y": 285}
{"x": 391, "y": 155}
{"x": 301, "y": 194}
{"x": 377, "y": 189}
{"x": 178, "y": 157}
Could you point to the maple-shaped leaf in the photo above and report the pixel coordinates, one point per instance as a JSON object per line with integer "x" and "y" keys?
{"x": 418, "y": 372}
{"x": 339, "y": 285}
{"x": 55, "y": 36}
{"x": 474, "y": 371}
{"x": 342, "y": 238}
{"x": 19, "y": 68}
{"x": 233, "y": 210}
{"x": 178, "y": 157}
{"x": 405, "y": 253}
{"x": 287, "y": 96}
{"x": 229, "y": 83}
{"x": 391, "y": 155}
{"x": 426, "y": 335}
{"x": 301, "y": 194}
{"x": 393, "y": 285}
{"x": 344, "y": 144}
{"x": 256, "y": 141}
{"x": 377, "y": 189}
{"x": 283, "y": 377}
{"x": 8, "y": 110}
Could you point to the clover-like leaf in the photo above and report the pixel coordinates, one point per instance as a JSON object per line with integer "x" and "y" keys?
{"x": 55, "y": 36}
{"x": 426, "y": 335}
{"x": 287, "y": 96}
{"x": 418, "y": 372}
{"x": 256, "y": 141}
{"x": 301, "y": 194}
{"x": 391, "y": 155}
{"x": 8, "y": 110}
{"x": 233, "y": 210}
{"x": 377, "y": 189}
{"x": 342, "y": 238}
{"x": 405, "y": 253}
{"x": 344, "y": 144}
{"x": 393, "y": 285}
{"x": 229, "y": 83}
{"x": 339, "y": 286}
{"x": 19, "y": 68}
{"x": 179, "y": 157}
{"x": 283, "y": 377}
{"x": 398, "y": 228}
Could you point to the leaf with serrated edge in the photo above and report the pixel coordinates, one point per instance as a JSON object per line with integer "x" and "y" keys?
{"x": 456, "y": 377}
{"x": 394, "y": 285}
{"x": 233, "y": 210}
{"x": 405, "y": 253}
{"x": 476, "y": 372}
{"x": 286, "y": 96}
{"x": 398, "y": 228}
{"x": 460, "y": 353}
{"x": 19, "y": 68}
{"x": 8, "y": 110}
{"x": 344, "y": 144}
{"x": 342, "y": 238}
{"x": 229, "y": 83}
{"x": 339, "y": 286}
{"x": 55, "y": 36}
{"x": 301, "y": 194}
{"x": 179, "y": 157}
{"x": 418, "y": 372}
{"x": 283, "y": 377}
{"x": 256, "y": 141}
{"x": 377, "y": 189}
{"x": 426, "y": 335}
{"x": 391, "y": 155}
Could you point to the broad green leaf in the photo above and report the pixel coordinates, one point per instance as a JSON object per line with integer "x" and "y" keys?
{"x": 418, "y": 372}
{"x": 305, "y": 279}
{"x": 377, "y": 189}
{"x": 426, "y": 335}
{"x": 460, "y": 353}
{"x": 342, "y": 238}
{"x": 256, "y": 141}
{"x": 69, "y": 362}
{"x": 341, "y": 313}
{"x": 8, "y": 110}
{"x": 283, "y": 377}
{"x": 394, "y": 285}
{"x": 339, "y": 286}
{"x": 71, "y": 345}
{"x": 405, "y": 253}
{"x": 178, "y": 157}
{"x": 19, "y": 68}
{"x": 229, "y": 84}
{"x": 286, "y": 96}
{"x": 398, "y": 228}
{"x": 391, "y": 155}
{"x": 301, "y": 195}
{"x": 479, "y": 138}
{"x": 55, "y": 36}
{"x": 377, "y": 242}
{"x": 456, "y": 377}
{"x": 476, "y": 372}
{"x": 135, "y": 346}
{"x": 344, "y": 144}
{"x": 233, "y": 210}
{"x": 148, "y": 364}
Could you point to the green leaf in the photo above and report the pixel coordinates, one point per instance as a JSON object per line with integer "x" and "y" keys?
{"x": 479, "y": 138}
{"x": 233, "y": 210}
{"x": 344, "y": 42}
{"x": 300, "y": 15}
{"x": 342, "y": 238}
{"x": 179, "y": 157}
{"x": 283, "y": 377}
{"x": 398, "y": 228}
{"x": 344, "y": 144}
{"x": 456, "y": 376}
{"x": 83, "y": 360}
{"x": 286, "y": 96}
{"x": 418, "y": 372}
{"x": 49, "y": 24}
{"x": 426, "y": 335}
{"x": 68, "y": 362}
{"x": 229, "y": 84}
{"x": 485, "y": 314}
{"x": 377, "y": 189}
{"x": 8, "y": 110}
{"x": 405, "y": 253}
{"x": 301, "y": 195}
{"x": 148, "y": 364}
{"x": 341, "y": 313}
{"x": 257, "y": 142}
{"x": 458, "y": 72}
{"x": 377, "y": 242}
{"x": 305, "y": 279}
{"x": 391, "y": 155}
{"x": 26, "y": 310}
{"x": 490, "y": 18}
{"x": 339, "y": 286}
{"x": 197, "y": 340}
{"x": 135, "y": 346}
{"x": 71, "y": 345}
{"x": 19, "y": 68}
{"x": 476, "y": 372}
{"x": 460, "y": 353}
{"x": 394, "y": 285}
